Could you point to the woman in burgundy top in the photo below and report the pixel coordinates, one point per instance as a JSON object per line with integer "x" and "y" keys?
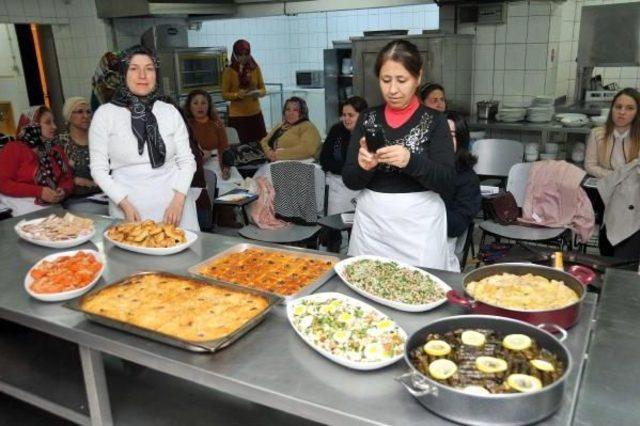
{"x": 33, "y": 172}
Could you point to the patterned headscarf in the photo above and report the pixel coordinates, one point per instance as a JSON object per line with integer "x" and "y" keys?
{"x": 29, "y": 133}
{"x": 241, "y": 47}
{"x": 106, "y": 78}
{"x": 143, "y": 122}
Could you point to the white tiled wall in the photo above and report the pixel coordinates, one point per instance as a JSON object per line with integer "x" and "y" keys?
{"x": 513, "y": 62}
{"x": 81, "y": 38}
{"x": 284, "y": 44}
{"x": 567, "y": 19}
{"x": 12, "y": 85}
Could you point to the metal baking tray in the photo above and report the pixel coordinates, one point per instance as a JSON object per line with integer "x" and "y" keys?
{"x": 310, "y": 288}
{"x": 206, "y": 346}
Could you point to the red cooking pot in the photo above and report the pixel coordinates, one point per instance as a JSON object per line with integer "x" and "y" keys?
{"x": 576, "y": 279}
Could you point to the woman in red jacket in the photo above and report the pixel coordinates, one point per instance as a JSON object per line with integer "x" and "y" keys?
{"x": 33, "y": 172}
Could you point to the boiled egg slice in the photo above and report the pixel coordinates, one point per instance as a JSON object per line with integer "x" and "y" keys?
{"x": 341, "y": 336}
{"x": 385, "y": 324}
{"x": 299, "y": 310}
{"x": 305, "y": 322}
{"x": 373, "y": 351}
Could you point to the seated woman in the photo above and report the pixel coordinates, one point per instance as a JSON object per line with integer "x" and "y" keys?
{"x": 296, "y": 138}
{"x": 208, "y": 129}
{"x": 75, "y": 144}
{"x": 334, "y": 154}
{"x": 433, "y": 96}
{"x": 33, "y": 172}
{"x": 465, "y": 202}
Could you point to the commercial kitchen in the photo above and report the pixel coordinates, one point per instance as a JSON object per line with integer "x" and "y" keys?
{"x": 317, "y": 333}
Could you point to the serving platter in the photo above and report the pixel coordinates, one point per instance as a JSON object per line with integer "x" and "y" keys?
{"x": 193, "y": 346}
{"x": 60, "y": 244}
{"x": 191, "y": 238}
{"x": 239, "y": 248}
{"x": 341, "y": 268}
{"x": 63, "y": 295}
{"x": 294, "y": 314}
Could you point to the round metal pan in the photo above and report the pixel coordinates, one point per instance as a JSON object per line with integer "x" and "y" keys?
{"x": 497, "y": 409}
{"x": 565, "y": 317}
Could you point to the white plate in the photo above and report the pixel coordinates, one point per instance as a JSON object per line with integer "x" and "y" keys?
{"x": 163, "y": 251}
{"x": 341, "y": 267}
{"x": 51, "y": 244}
{"x": 319, "y": 297}
{"x": 235, "y": 197}
{"x": 63, "y": 295}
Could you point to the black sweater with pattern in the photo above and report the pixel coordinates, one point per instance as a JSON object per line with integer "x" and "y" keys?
{"x": 427, "y": 137}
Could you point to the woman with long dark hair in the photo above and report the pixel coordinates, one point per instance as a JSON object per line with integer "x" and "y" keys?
{"x": 465, "y": 202}
{"x": 243, "y": 86}
{"x": 207, "y": 127}
{"x": 139, "y": 149}
{"x": 400, "y": 213}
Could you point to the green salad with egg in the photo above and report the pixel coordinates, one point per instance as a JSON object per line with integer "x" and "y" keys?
{"x": 348, "y": 331}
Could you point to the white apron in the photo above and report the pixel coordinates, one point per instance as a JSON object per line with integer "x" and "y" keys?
{"x": 21, "y": 205}
{"x": 151, "y": 190}
{"x": 339, "y": 195}
{"x": 410, "y": 228}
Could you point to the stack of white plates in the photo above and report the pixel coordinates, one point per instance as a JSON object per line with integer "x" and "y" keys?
{"x": 511, "y": 114}
{"x": 540, "y": 114}
{"x": 543, "y": 101}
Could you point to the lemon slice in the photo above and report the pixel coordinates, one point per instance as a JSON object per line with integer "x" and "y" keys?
{"x": 476, "y": 390}
{"x": 524, "y": 383}
{"x": 489, "y": 364}
{"x": 437, "y": 347}
{"x": 516, "y": 342}
{"x": 442, "y": 369}
{"x": 542, "y": 365}
{"x": 472, "y": 338}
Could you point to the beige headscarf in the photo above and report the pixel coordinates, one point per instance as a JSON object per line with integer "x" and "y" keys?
{"x": 70, "y": 104}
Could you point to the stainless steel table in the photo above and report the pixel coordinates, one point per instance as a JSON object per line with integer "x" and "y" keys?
{"x": 271, "y": 365}
{"x": 610, "y": 390}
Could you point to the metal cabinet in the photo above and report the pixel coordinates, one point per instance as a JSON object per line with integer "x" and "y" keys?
{"x": 448, "y": 60}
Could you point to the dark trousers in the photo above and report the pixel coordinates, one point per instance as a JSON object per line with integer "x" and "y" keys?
{"x": 629, "y": 248}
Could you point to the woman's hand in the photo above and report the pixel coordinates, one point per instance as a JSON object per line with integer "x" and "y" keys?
{"x": 242, "y": 93}
{"x": 79, "y": 181}
{"x": 396, "y": 155}
{"x": 173, "y": 213}
{"x": 226, "y": 173}
{"x": 271, "y": 155}
{"x": 366, "y": 160}
{"x": 130, "y": 212}
{"x": 51, "y": 195}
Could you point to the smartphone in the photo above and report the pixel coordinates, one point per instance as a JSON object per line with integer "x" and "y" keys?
{"x": 374, "y": 138}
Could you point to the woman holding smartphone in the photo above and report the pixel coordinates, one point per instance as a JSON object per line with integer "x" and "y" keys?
{"x": 401, "y": 156}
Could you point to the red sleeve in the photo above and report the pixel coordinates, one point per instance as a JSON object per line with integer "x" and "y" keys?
{"x": 12, "y": 156}
{"x": 66, "y": 179}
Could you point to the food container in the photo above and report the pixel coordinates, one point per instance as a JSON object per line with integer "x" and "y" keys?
{"x": 496, "y": 409}
{"x": 565, "y": 317}
{"x": 206, "y": 346}
{"x": 487, "y": 110}
{"x": 238, "y": 248}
